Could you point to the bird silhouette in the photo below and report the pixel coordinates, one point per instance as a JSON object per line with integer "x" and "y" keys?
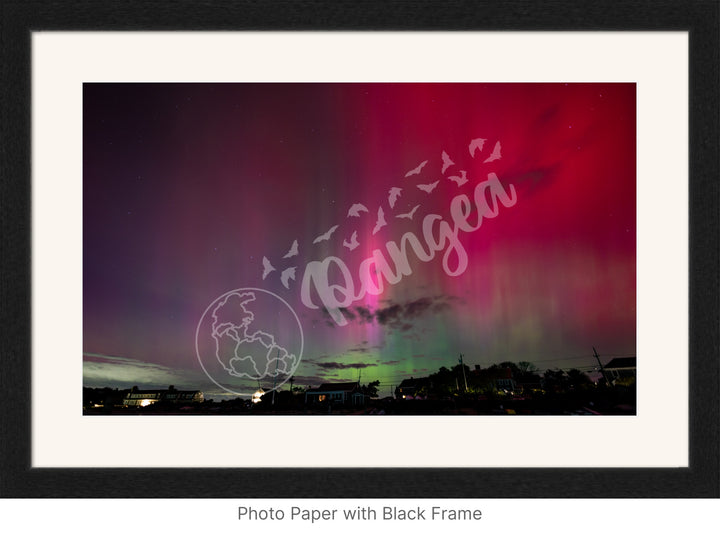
{"x": 286, "y": 276}
{"x": 355, "y": 210}
{"x": 476, "y": 144}
{"x": 293, "y": 250}
{"x": 495, "y": 154}
{"x": 408, "y": 215}
{"x": 447, "y": 162}
{"x": 417, "y": 170}
{"x": 380, "y": 223}
{"x": 460, "y": 180}
{"x": 267, "y": 267}
{"x": 427, "y": 188}
{"x": 326, "y": 236}
{"x": 353, "y": 243}
{"x": 393, "y": 195}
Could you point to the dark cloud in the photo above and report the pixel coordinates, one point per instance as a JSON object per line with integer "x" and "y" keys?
{"x": 401, "y": 315}
{"x": 342, "y": 366}
{"x": 366, "y": 316}
{"x": 388, "y": 315}
{"x": 348, "y": 313}
{"x": 397, "y": 316}
{"x": 418, "y": 307}
{"x": 532, "y": 180}
{"x": 364, "y": 347}
{"x": 327, "y": 318}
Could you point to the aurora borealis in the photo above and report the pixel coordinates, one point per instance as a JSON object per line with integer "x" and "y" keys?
{"x": 188, "y": 187}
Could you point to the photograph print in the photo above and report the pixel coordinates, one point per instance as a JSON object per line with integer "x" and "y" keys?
{"x": 368, "y": 249}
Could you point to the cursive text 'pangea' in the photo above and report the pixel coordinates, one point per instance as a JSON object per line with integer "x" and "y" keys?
{"x": 380, "y": 269}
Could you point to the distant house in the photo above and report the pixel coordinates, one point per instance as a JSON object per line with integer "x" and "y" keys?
{"x": 529, "y": 382}
{"x": 621, "y": 368}
{"x": 506, "y": 381}
{"x": 143, "y": 398}
{"x": 336, "y": 394}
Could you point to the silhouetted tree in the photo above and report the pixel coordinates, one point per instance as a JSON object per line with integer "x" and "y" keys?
{"x": 370, "y": 389}
{"x": 514, "y": 368}
{"x": 577, "y": 378}
{"x": 555, "y": 380}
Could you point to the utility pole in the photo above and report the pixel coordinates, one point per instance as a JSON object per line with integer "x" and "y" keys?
{"x": 462, "y": 365}
{"x": 275, "y": 376}
{"x": 602, "y": 369}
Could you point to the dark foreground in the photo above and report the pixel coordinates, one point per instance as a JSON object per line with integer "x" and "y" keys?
{"x": 608, "y": 402}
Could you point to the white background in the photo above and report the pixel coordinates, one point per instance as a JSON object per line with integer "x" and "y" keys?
{"x": 656, "y": 437}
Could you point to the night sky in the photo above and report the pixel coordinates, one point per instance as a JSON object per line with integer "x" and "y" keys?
{"x": 188, "y": 187}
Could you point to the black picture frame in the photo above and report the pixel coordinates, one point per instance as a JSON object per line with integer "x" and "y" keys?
{"x": 701, "y": 18}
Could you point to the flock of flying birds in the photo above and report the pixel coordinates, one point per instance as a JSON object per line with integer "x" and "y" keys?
{"x": 476, "y": 145}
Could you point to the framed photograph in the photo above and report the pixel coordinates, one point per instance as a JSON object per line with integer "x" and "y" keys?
{"x": 255, "y": 256}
